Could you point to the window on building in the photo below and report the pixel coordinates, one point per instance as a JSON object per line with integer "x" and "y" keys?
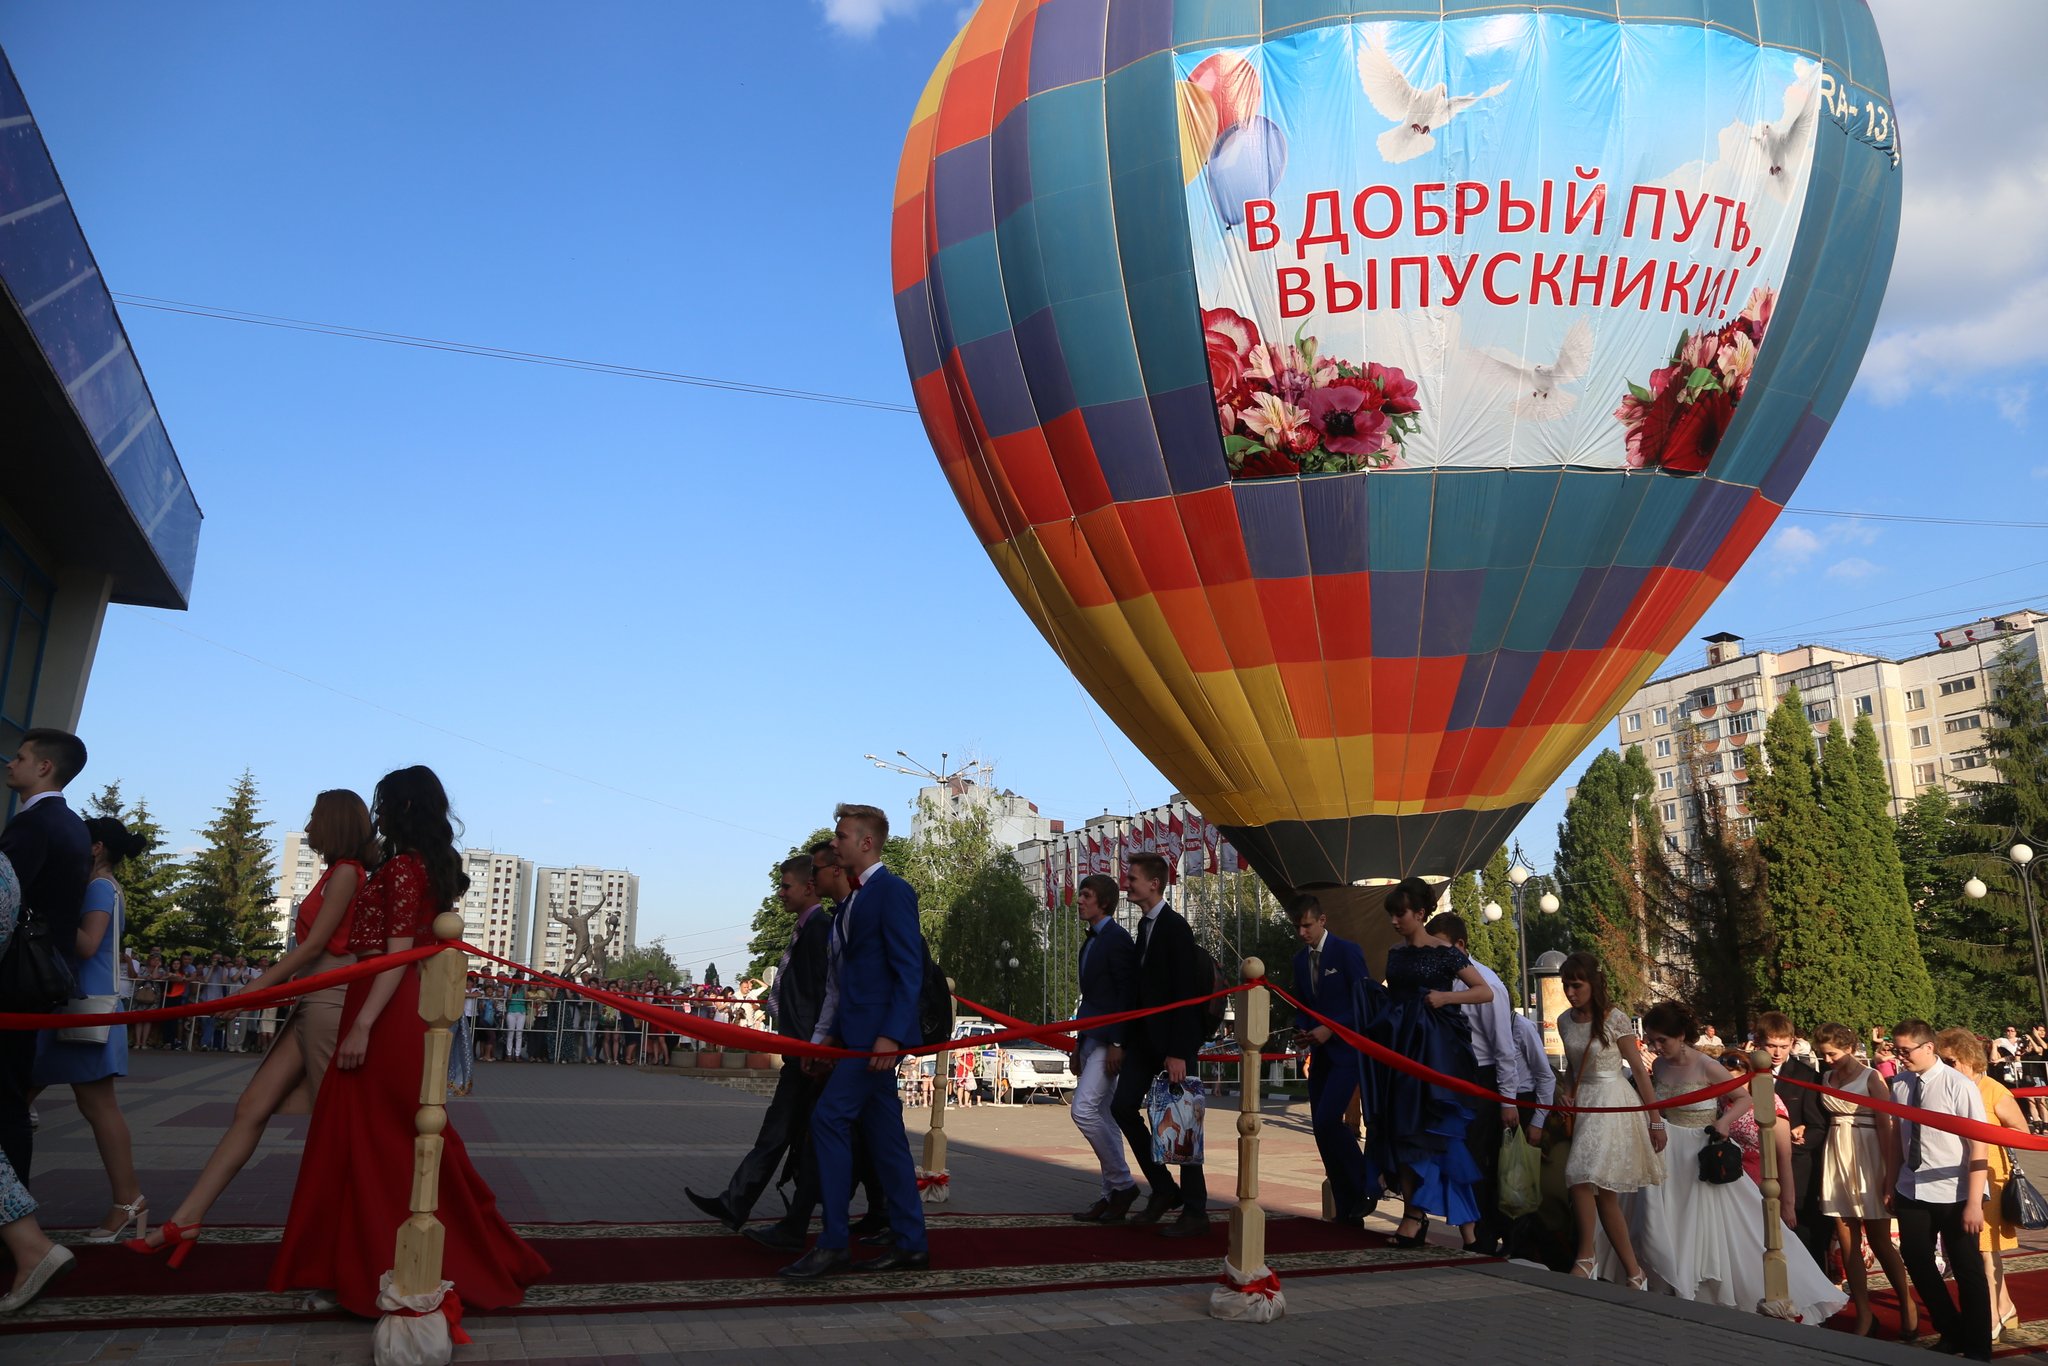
{"x": 1743, "y": 724}
{"x": 1950, "y": 687}
{"x": 1666, "y": 780}
{"x": 1633, "y": 721}
{"x": 1921, "y": 735}
{"x": 1707, "y": 730}
{"x": 1863, "y": 705}
{"x": 1820, "y": 712}
{"x": 1664, "y": 749}
{"x": 1712, "y": 764}
{"x": 1660, "y": 716}
{"x": 1671, "y": 811}
{"x": 1923, "y": 775}
{"x": 1955, "y": 725}
{"x": 1916, "y": 698}
{"x": 1671, "y": 843}
{"x": 1702, "y": 698}
{"x": 1746, "y": 827}
{"x": 1739, "y": 794}
{"x": 1968, "y": 760}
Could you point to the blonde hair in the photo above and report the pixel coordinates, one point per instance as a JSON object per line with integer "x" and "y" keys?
{"x": 1963, "y": 1045}
{"x": 873, "y": 818}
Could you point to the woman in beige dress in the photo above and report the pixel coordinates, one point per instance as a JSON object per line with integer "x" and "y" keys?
{"x": 339, "y": 830}
{"x": 1862, "y": 1146}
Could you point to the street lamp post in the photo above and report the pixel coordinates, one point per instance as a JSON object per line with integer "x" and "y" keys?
{"x": 1518, "y": 878}
{"x": 2020, "y": 854}
{"x": 1008, "y": 963}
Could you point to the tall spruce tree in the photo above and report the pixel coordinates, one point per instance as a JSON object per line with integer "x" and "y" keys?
{"x": 1810, "y": 971}
{"x": 1498, "y": 945}
{"x": 226, "y": 889}
{"x": 1714, "y": 904}
{"x": 1977, "y": 955}
{"x": 1897, "y": 962}
{"x": 149, "y": 881}
{"x": 773, "y": 924}
{"x": 1598, "y": 844}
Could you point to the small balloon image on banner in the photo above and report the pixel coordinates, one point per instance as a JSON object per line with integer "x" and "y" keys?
{"x": 1462, "y": 242}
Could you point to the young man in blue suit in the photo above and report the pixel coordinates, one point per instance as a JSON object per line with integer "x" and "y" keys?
{"x": 52, "y": 855}
{"x": 1109, "y": 986}
{"x": 871, "y": 997}
{"x": 1328, "y": 975}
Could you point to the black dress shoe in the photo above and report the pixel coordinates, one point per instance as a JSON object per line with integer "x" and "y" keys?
{"x": 817, "y": 1264}
{"x": 715, "y": 1206}
{"x": 1093, "y": 1214}
{"x": 1157, "y": 1206}
{"x": 778, "y": 1236}
{"x": 1120, "y": 1203}
{"x": 897, "y": 1259}
{"x": 871, "y": 1222}
{"x": 1189, "y": 1225}
{"x": 884, "y": 1238}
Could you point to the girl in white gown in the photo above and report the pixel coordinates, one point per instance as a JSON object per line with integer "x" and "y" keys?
{"x": 1614, "y": 1153}
{"x": 1697, "y": 1240}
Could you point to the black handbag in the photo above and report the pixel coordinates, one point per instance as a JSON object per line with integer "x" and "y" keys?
{"x": 2023, "y": 1204}
{"x": 1720, "y": 1159}
{"x": 35, "y": 976}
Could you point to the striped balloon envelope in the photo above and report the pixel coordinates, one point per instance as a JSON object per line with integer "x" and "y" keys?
{"x": 1363, "y": 399}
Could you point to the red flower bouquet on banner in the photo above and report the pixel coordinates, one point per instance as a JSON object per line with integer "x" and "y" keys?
{"x": 1677, "y": 422}
{"x": 1285, "y": 409}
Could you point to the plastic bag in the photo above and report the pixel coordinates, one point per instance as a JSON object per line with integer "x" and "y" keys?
{"x": 1175, "y": 1110}
{"x": 1521, "y": 1176}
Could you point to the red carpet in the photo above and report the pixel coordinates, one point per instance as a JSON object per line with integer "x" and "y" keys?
{"x": 2026, "y": 1280}
{"x": 615, "y": 1267}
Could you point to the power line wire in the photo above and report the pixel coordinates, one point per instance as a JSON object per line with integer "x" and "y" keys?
{"x": 624, "y": 371}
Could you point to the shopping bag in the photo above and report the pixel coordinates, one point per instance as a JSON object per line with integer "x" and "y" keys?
{"x": 1521, "y": 1176}
{"x": 1175, "y": 1110}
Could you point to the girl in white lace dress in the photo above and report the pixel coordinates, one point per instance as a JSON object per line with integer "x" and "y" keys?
{"x": 1612, "y": 1154}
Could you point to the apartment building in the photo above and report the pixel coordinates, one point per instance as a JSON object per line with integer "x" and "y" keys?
{"x": 497, "y": 908}
{"x": 1929, "y": 711}
{"x": 298, "y": 868}
{"x": 609, "y": 896}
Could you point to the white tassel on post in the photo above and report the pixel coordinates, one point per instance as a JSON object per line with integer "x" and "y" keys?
{"x": 413, "y": 1331}
{"x": 934, "y": 1188}
{"x": 1253, "y": 1298}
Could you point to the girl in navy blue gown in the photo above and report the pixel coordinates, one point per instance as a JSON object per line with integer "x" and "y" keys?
{"x": 1415, "y": 1139}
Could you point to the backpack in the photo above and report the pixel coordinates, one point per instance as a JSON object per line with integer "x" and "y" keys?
{"x": 934, "y": 1004}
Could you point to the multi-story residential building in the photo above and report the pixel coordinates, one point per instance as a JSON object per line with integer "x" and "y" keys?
{"x": 612, "y": 893}
{"x": 498, "y": 907}
{"x": 298, "y": 868}
{"x": 1929, "y": 711}
{"x": 1013, "y": 820}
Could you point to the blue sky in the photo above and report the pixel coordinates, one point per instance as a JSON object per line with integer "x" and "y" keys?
{"x": 676, "y": 618}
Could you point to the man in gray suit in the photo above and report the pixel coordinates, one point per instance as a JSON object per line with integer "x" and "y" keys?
{"x": 1109, "y": 985}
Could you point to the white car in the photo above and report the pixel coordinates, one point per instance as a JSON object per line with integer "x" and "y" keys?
{"x": 1030, "y": 1067}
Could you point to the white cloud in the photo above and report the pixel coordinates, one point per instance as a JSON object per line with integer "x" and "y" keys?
{"x": 1790, "y": 547}
{"x": 1970, "y": 256}
{"x": 860, "y": 18}
{"x": 2012, "y": 402}
{"x": 1852, "y": 569}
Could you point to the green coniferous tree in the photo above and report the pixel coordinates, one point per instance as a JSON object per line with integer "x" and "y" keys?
{"x": 1714, "y": 899}
{"x": 148, "y": 881}
{"x": 1809, "y": 971}
{"x": 773, "y": 925}
{"x": 1980, "y": 970}
{"x": 1498, "y": 946}
{"x": 1896, "y": 958}
{"x": 1597, "y": 855}
{"x": 227, "y": 887}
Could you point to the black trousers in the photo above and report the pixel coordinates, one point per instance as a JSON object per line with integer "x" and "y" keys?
{"x": 1482, "y": 1140}
{"x": 1127, "y": 1108}
{"x": 1967, "y": 1324}
{"x": 784, "y": 1127}
{"x": 17, "y": 1070}
{"x": 1816, "y": 1234}
{"x": 809, "y": 1193}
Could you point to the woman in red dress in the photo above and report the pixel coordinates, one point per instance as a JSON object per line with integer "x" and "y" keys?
{"x": 355, "y": 1178}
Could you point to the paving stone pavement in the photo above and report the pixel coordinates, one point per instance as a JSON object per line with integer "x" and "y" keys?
{"x": 584, "y": 1142}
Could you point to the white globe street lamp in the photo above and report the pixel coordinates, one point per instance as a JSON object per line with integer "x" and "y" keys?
{"x": 1491, "y": 911}
{"x": 2020, "y": 855}
{"x": 1549, "y": 903}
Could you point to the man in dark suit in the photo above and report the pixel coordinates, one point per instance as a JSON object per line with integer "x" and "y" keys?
{"x": 1328, "y": 973}
{"x": 1109, "y": 986}
{"x": 798, "y": 995}
{"x": 1808, "y": 1118}
{"x": 1170, "y": 968}
{"x": 52, "y": 856}
{"x": 871, "y": 1005}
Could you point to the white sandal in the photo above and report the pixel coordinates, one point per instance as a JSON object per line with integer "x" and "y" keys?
{"x": 1591, "y": 1271}
{"x": 136, "y": 1212}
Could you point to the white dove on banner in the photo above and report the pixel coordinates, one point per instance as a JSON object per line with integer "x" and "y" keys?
{"x": 1416, "y": 113}
{"x": 1786, "y": 143}
{"x": 1539, "y": 396}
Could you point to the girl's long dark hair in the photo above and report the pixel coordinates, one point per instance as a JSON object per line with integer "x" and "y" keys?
{"x": 1584, "y": 967}
{"x": 411, "y": 808}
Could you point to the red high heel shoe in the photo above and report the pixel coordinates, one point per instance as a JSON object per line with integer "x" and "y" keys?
{"x": 180, "y": 1242}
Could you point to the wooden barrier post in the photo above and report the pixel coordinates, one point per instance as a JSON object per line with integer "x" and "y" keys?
{"x": 1248, "y": 1290}
{"x": 1777, "y": 1300}
{"x": 934, "y": 1183}
{"x": 416, "y": 1262}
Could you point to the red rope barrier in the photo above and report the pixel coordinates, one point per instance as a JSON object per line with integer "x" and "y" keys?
{"x": 224, "y": 1005}
{"x": 1995, "y": 1134}
{"x": 1009, "y": 1021}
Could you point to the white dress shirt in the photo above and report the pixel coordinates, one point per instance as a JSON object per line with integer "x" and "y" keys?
{"x": 1537, "y": 1075}
{"x": 1943, "y": 1174}
{"x": 1493, "y": 1036}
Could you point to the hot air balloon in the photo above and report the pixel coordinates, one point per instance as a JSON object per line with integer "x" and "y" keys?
{"x": 1362, "y": 463}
